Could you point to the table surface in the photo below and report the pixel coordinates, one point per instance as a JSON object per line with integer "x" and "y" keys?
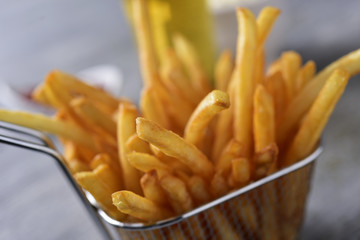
{"x": 36, "y": 201}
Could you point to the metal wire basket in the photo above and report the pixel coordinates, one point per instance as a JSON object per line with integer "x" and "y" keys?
{"x": 270, "y": 208}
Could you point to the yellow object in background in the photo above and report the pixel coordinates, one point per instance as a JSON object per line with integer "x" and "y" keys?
{"x": 190, "y": 18}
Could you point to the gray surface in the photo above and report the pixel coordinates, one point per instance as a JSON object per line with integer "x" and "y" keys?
{"x": 37, "y": 35}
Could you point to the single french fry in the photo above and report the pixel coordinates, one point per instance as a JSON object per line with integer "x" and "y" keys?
{"x": 47, "y": 124}
{"x": 198, "y": 189}
{"x": 150, "y": 105}
{"x": 174, "y": 146}
{"x": 290, "y": 63}
{"x": 190, "y": 60}
{"x": 152, "y": 189}
{"x": 274, "y": 67}
{"x": 125, "y": 129}
{"x": 266, "y": 160}
{"x": 90, "y": 182}
{"x": 39, "y": 95}
{"x": 146, "y": 162}
{"x": 67, "y": 81}
{"x": 142, "y": 208}
{"x": 223, "y": 69}
{"x": 218, "y": 186}
{"x": 91, "y": 113}
{"x": 211, "y": 105}
{"x": 305, "y": 74}
{"x": 303, "y": 101}
{"x": 105, "y": 174}
{"x": 243, "y": 74}
{"x": 136, "y": 144}
{"x": 179, "y": 197}
{"x": 264, "y": 23}
{"x": 233, "y": 149}
{"x": 173, "y": 163}
{"x": 241, "y": 171}
{"x": 315, "y": 121}
{"x": 145, "y": 42}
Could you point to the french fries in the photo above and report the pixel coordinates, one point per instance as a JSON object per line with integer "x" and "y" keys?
{"x": 191, "y": 143}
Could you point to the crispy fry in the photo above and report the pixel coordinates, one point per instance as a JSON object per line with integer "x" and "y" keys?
{"x": 290, "y": 63}
{"x": 103, "y": 158}
{"x": 43, "y": 123}
{"x": 243, "y": 75}
{"x": 223, "y": 69}
{"x": 136, "y": 144}
{"x": 125, "y": 129}
{"x": 312, "y": 126}
{"x": 90, "y": 182}
{"x": 303, "y": 101}
{"x": 152, "y": 189}
{"x": 179, "y": 197}
{"x": 211, "y": 105}
{"x": 142, "y": 208}
{"x": 146, "y": 162}
{"x": 109, "y": 178}
{"x": 174, "y": 146}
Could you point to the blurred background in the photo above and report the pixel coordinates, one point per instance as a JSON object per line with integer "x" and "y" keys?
{"x": 93, "y": 38}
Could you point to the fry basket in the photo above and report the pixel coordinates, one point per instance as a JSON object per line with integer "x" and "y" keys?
{"x": 270, "y": 208}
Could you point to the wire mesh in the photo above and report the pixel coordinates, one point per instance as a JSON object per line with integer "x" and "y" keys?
{"x": 273, "y": 210}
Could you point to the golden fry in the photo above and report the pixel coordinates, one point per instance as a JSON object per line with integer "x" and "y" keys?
{"x": 233, "y": 149}
{"x": 43, "y": 123}
{"x": 174, "y": 146}
{"x": 142, "y": 208}
{"x": 125, "y": 129}
{"x": 218, "y": 186}
{"x": 290, "y": 63}
{"x": 211, "y": 105}
{"x": 243, "y": 76}
{"x": 275, "y": 85}
{"x": 311, "y": 128}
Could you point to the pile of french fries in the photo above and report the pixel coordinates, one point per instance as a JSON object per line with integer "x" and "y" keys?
{"x": 190, "y": 142}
